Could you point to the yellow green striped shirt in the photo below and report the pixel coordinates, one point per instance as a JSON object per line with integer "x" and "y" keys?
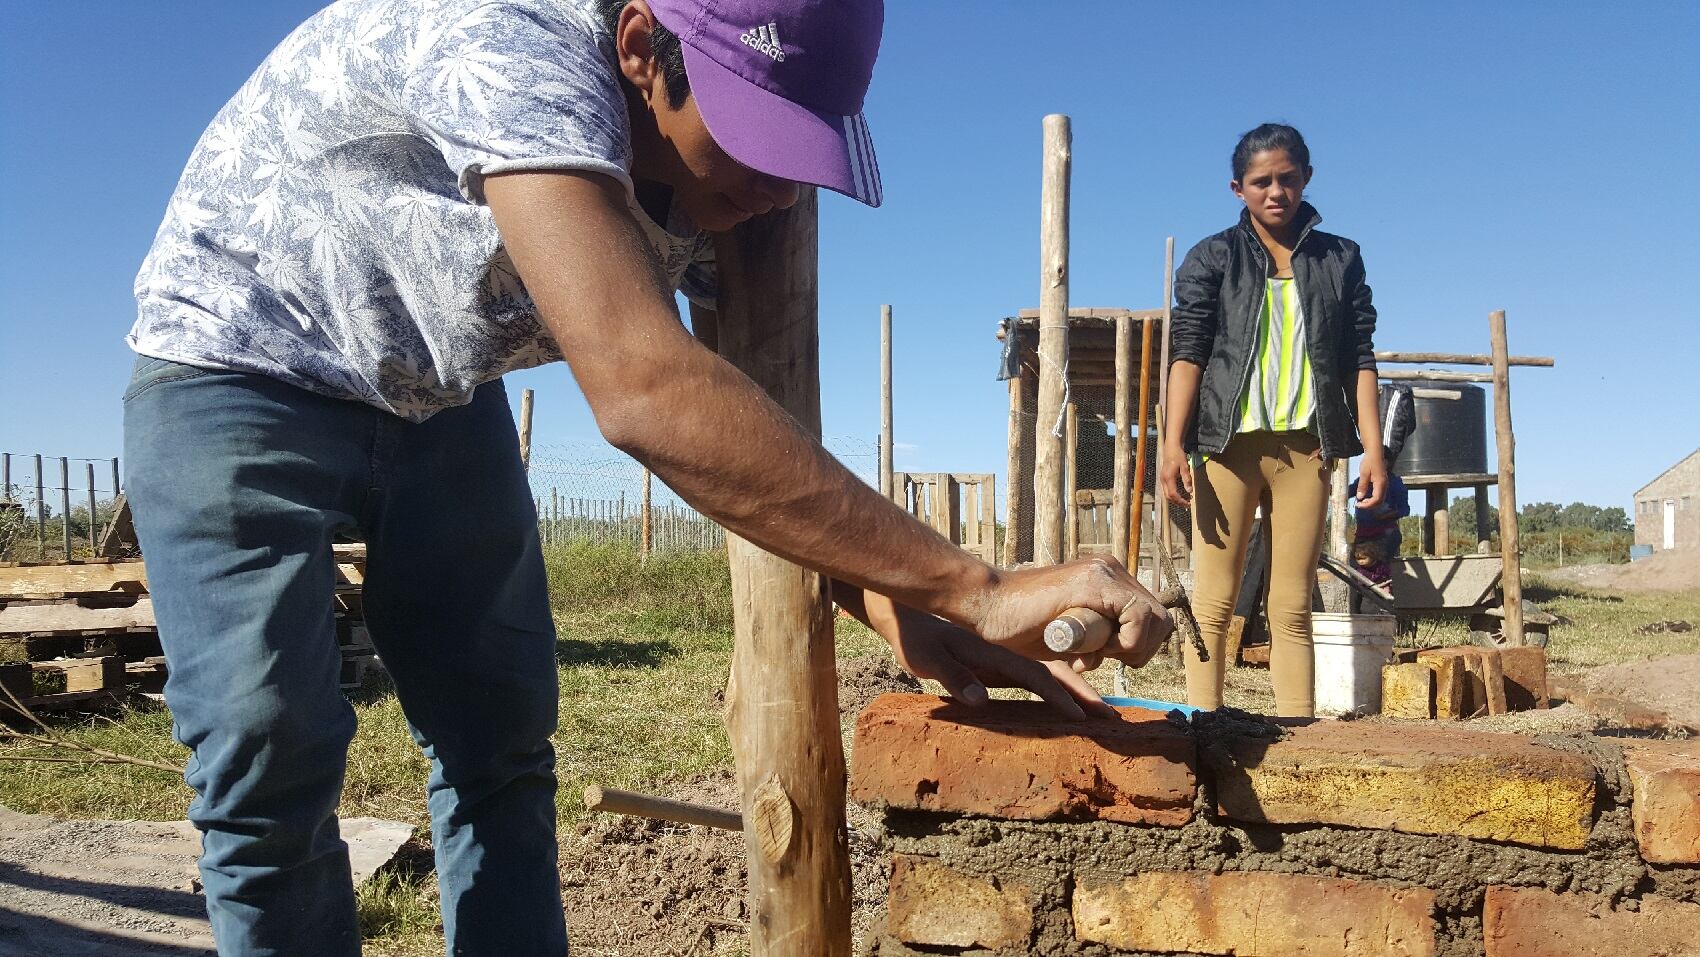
{"x": 1280, "y": 396}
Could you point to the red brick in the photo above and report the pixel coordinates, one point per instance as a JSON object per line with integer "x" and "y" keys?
{"x": 1521, "y": 922}
{"x": 1253, "y": 914}
{"x": 1421, "y": 779}
{"x": 1525, "y": 677}
{"x": 1017, "y": 759}
{"x": 1484, "y": 685}
{"x": 935, "y": 906}
{"x": 1666, "y": 809}
{"x": 1451, "y": 685}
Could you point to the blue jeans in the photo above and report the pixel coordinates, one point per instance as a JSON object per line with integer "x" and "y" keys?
{"x": 239, "y": 483}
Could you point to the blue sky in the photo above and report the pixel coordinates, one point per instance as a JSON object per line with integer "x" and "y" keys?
{"x": 1535, "y": 157}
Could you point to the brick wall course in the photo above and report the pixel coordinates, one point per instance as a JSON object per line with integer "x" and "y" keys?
{"x": 933, "y": 905}
{"x": 1520, "y": 922}
{"x": 1436, "y": 779}
{"x": 1020, "y": 761}
{"x": 1665, "y": 777}
{"x": 1252, "y": 914}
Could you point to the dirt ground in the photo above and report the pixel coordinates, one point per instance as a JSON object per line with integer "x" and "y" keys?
{"x": 635, "y": 886}
{"x": 1666, "y": 571}
{"x": 1671, "y": 685}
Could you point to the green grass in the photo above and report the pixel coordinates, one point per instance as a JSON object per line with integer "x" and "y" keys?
{"x": 643, "y": 655}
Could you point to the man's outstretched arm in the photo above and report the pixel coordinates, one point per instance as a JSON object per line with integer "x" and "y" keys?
{"x": 715, "y": 438}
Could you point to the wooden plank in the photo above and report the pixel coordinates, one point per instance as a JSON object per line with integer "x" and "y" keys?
{"x": 782, "y": 699}
{"x": 1049, "y": 546}
{"x": 1449, "y": 480}
{"x": 1511, "y": 584}
{"x": 70, "y": 618}
{"x": 37, "y": 581}
{"x": 1432, "y": 375}
{"x": 1459, "y": 359}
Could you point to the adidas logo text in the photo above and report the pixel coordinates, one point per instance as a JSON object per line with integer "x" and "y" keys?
{"x": 765, "y": 39}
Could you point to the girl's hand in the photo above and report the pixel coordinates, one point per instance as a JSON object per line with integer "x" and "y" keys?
{"x": 1174, "y": 477}
{"x": 1372, "y": 480}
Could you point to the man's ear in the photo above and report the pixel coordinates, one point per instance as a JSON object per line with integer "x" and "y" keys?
{"x": 634, "y": 51}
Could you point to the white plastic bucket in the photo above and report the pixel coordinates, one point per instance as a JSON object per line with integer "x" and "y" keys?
{"x": 1350, "y": 650}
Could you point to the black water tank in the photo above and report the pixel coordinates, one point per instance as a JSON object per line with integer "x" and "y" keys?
{"x": 1450, "y": 437}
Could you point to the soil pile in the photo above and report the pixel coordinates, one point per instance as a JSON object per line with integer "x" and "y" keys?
{"x": 1665, "y": 571}
{"x": 1665, "y": 684}
{"x": 861, "y": 680}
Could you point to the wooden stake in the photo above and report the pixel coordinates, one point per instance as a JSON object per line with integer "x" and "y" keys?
{"x": 1160, "y": 508}
{"x": 1511, "y": 554}
{"x": 65, "y": 503}
{"x": 1337, "y": 496}
{"x": 782, "y": 701}
{"x": 94, "y": 531}
{"x": 1122, "y": 514}
{"x": 1071, "y": 475}
{"x": 1135, "y": 531}
{"x": 614, "y": 801}
{"x": 646, "y": 534}
{"x": 1018, "y": 507}
{"x": 886, "y": 442}
{"x": 1048, "y": 494}
{"x": 525, "y": 399}
{"x": 40, "y": 511}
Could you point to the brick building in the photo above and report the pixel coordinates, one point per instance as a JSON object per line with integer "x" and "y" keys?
{"x": 1667, "y": 509}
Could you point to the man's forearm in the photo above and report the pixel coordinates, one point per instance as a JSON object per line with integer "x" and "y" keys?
{"x": 701, "y": 425}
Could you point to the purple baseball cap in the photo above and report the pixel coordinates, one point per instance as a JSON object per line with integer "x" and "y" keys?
{"x": 780, "y": 84}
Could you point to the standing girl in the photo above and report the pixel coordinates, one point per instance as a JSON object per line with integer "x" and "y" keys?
{"x": 1272, "y": 378}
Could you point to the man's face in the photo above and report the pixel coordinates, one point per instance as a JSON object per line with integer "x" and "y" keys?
{"x": 716, "y": 191}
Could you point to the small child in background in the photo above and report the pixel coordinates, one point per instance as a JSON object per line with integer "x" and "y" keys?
{"x": 1377, "y": 540}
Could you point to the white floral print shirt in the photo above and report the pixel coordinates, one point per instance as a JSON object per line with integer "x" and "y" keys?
{"x": 330, "y": 231}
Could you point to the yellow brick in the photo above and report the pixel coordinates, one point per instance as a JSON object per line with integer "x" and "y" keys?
{"x": 1407, "y": 691}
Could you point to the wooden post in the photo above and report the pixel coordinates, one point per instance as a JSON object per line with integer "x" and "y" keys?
{"x": 1018, "y": 506}
{"x": 646, "y": 519}
{"x": 94, "y": 531}
{"x": 1337, "y": 496}
{"x": 1135, "y": 532}
{"x": 1511, "y": 554}
{"x": 1440, "y": 519}
{"x": 1049, "y": 502}
{"x": 117, "y": 479}
{"x": 65, "y": 503}
{"x": 782, "y": 701}
{"x": 1160, "y": 508}
{"x": 1071, "y": 475}
{"x": 525, "y": 401}
{"x": 1483, "y": 536}
{"x": 1122, "y": 514}
{"x": 886, "y": 443}
{"x": 40, "y": 511}
{"x": 6, "y": 476}
{"x": 988, "y": 517}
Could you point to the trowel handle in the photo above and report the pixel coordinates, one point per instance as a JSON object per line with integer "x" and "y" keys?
{"x": 1078, "y": 631}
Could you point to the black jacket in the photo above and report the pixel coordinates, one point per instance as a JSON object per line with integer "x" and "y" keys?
{"x": 1218, "y": 296}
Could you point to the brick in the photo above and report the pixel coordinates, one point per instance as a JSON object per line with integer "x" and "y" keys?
{"x": 1254, "y": 914}
{"x": 1420, "y": 779}
{"x": 1483, "y": 679}
{"x": 1665, "y": 776}
{"x": 1523, "y": 922}
{"x": 1017, "y": 759}
{"x": 1525, "y": 677}
{"x": 1451, "y": 685}
{"x": 1407, "y": 691}
{"x": 935, "y": 906}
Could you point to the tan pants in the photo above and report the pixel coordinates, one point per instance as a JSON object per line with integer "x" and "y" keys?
{"x": 1285, "y": 472}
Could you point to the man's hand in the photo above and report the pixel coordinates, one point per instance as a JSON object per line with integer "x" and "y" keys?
{"x": 929, "y": 647}
{"x": 1025, "y": 600}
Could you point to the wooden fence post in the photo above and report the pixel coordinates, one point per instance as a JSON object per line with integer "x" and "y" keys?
{"x": 1510, "y": 550}
{"x": 40, "y": 511}
{"x": 94, "y": 530}
{"x": 886, "y": 443}
{"x": 1122, "y": 514}
{"x": 1049, "y": 503}
{"x": 525, "y": 401}
{"x": 646, "y": 519}
{"x": 782, "y": 701}
{"x": 65, "y": 503}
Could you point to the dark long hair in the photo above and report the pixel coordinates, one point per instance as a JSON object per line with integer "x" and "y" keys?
{"x": 1270, "y": 136}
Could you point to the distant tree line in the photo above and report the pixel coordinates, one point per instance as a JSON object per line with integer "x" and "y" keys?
{"x": 1552, "y": 534}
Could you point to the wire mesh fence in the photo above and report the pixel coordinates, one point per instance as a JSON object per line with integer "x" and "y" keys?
{"x": 53, "y": 508}
{"x": 593, "y": 492}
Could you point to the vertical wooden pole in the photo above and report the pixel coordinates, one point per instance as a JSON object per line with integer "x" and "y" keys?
{"x": 1135, "y": 532}
{"x": 782, "y": 702}
{"x": 646, "y": 519}
{"x": 65, "y": 503}
{"x": 94, "y": 530}
{"x": 886, "y": 443}
{"x": 1071, "y": 475}
{"x": 1049, "y": 501}
{"x": 1160, "y": 508}
{"x": 1483, "y": 535}
{"x": 1018, "y": 505}
{"x": 1510, "y": 550}
{"x": 117, "y": 479}
{"x": 1337, "y": 545}
{"x": 40, "y": 511}
{"x": 6, "y": 476}
{"x": 1122, "y": 515}
{"x": 525, "y": 402}
{"x": 988, "y": 517}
